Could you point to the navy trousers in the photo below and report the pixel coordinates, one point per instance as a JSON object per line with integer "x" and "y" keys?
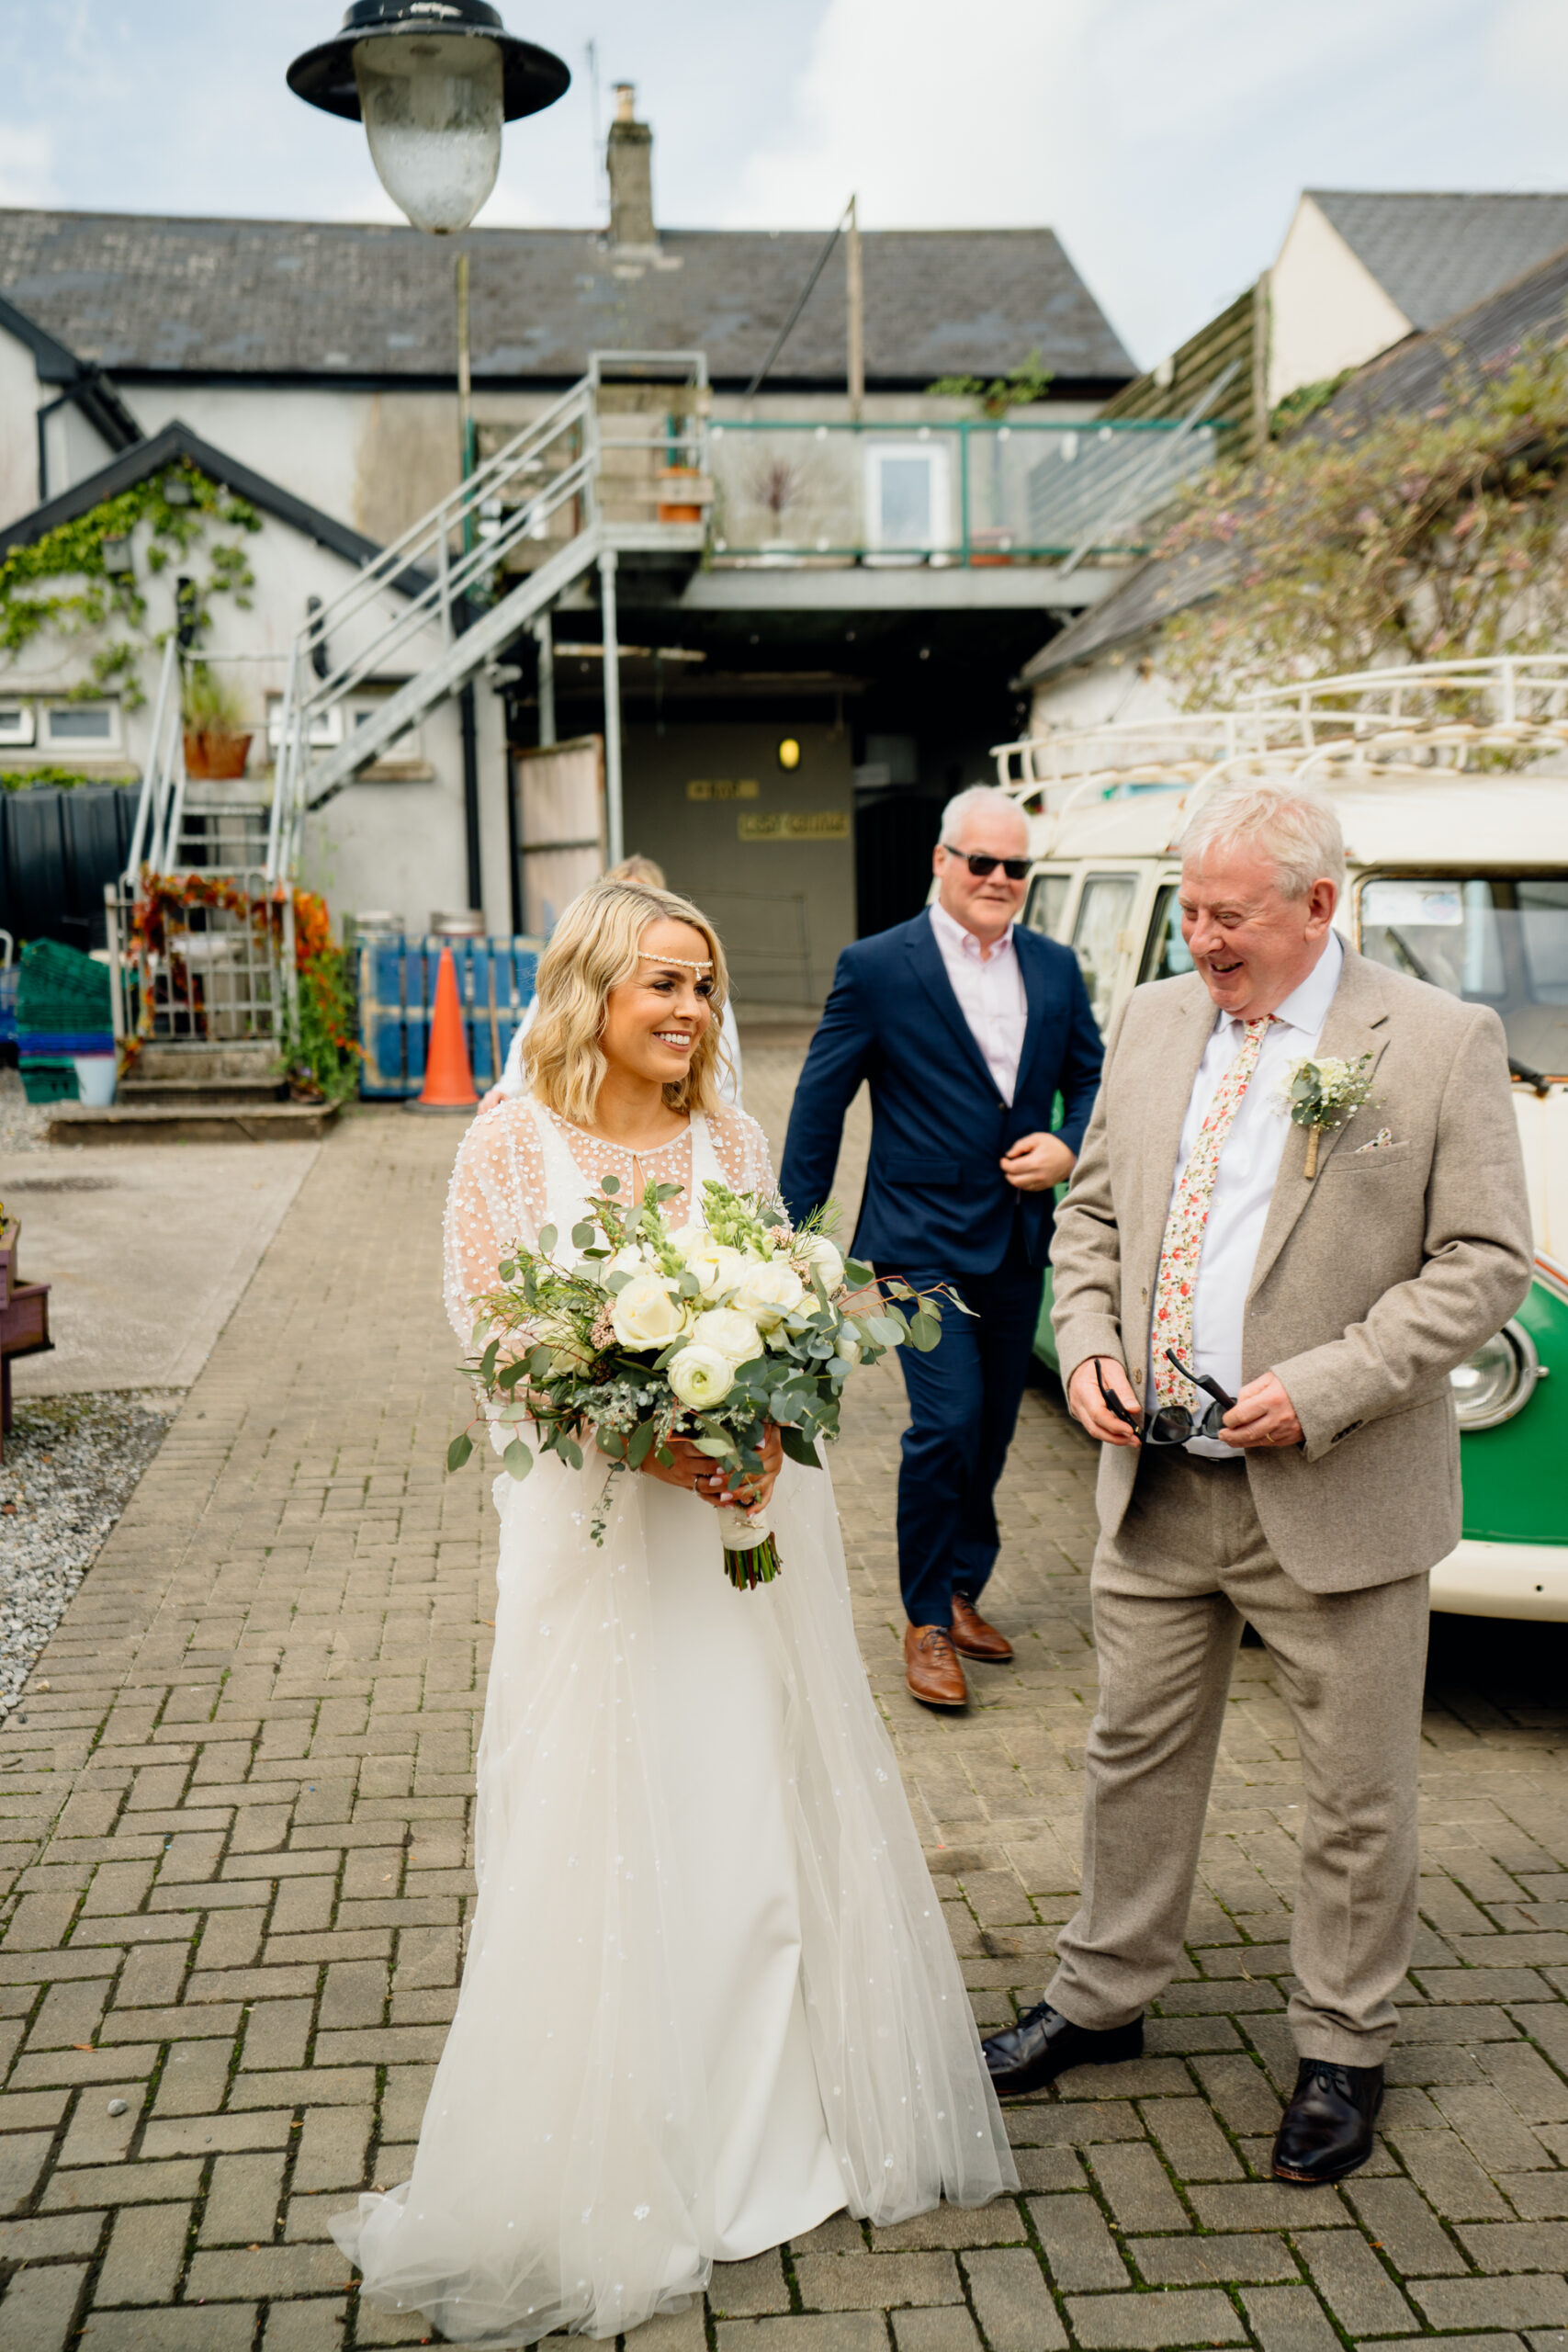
{"x": 964, "y": 1400}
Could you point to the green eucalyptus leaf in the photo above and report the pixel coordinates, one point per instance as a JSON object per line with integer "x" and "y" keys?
{"x": 458, "y": 1452}
{"x": 547, "y": 1239}
{"x": 582, "y": 1236}
{"x": 641, "y": 1444}
{"x": 518, "y": 1459}
{"x": 798, "y": 1447}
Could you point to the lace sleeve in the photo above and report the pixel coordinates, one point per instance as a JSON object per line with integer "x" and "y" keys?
{"x": 496, "y": 1198}
{"x": 742, "y": 1151}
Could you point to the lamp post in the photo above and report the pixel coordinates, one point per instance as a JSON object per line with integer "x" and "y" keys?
{"x": 434, "y": 81}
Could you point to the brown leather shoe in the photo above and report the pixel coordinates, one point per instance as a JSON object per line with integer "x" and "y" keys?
{"x": 931, "y": 1667}
{"x": 975, "y": 1638}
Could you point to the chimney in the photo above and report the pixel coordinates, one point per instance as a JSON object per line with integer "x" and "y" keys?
{"x": 630, "y": 159}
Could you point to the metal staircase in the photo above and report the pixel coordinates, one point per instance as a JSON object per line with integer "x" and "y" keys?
{"x": 597, "y": 478}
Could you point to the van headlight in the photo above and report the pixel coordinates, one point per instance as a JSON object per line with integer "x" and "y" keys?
{"x": 1497, "y": 1381}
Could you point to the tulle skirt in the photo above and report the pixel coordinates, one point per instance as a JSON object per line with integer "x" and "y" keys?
{"x": 709, "y": 1995}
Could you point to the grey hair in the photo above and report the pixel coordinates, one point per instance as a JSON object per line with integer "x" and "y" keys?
{"x": 1294, "y": 824}
{"x": 975, "y": 796}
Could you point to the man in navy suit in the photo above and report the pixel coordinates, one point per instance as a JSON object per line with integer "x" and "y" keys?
{"x": 966, "y": 1028}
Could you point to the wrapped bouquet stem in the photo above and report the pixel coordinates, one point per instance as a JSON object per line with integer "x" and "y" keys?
{"x": 707, "y": 1335}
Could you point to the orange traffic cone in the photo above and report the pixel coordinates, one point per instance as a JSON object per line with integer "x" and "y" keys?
{"x": 448, "y": 1080}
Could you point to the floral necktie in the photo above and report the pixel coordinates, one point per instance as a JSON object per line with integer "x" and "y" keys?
{"x": 1177, "y": 1282}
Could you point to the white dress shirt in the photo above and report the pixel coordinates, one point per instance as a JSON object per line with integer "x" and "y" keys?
{"x": 989, "y": 989}
{"x": 728, "y": 1077}
{"x": 1250, "y": 1163}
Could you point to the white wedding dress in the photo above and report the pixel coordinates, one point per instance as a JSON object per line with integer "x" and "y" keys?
{"x": 709, "y": 1995}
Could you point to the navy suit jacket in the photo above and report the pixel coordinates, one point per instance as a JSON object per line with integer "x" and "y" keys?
{"x": 935, "y": 1196}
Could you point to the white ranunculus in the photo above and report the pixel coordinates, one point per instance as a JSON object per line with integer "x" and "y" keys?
{"x": 716, "y": 1267}
{"x": 820, "y": 1253}
{"x": 734, "y": 1335}
{"x": 701, "y": 1376}
{"x": 769, "y": 1291}
{"x": 635, "y": 1259}
{"x": 646, "y": 1314}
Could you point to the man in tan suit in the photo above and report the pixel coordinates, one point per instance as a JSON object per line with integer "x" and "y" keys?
{"x": 1331, "y": 1307}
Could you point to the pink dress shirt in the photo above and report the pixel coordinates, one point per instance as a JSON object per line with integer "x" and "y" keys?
{"x": 989, "y": 989}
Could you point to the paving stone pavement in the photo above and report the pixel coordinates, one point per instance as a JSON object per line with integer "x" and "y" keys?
{"x": 237, "y": 1870}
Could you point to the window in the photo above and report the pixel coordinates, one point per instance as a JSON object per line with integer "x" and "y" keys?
{"x": 1164, "y": 952}
{"x": 83, "y": 726}
{"x": 18, "y": 725}
{"x": 1100, "y": 935}
{"x": 1496, "y": 939}
{"x": 404, "y": 747}
{"x": 1047, "y": 899}
{"x": 907, "y": 501}
{"x": 326, "y": 727}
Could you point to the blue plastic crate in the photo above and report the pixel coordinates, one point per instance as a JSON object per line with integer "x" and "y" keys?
{"x": 396, "y": 991}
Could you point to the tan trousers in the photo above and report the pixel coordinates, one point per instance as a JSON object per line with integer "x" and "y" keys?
{"x": 1170, "y": 1592}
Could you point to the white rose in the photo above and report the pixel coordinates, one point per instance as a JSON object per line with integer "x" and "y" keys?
{"x": 701, "y": 1376}
{"x": 848, "y": 1344}
{"x": 734, "y": 1336}
{"x": 820, "y": 1253}
{"x": 716, "y": 1267}
{"x": 769, "y": 1291}
{"x": 635, "y": 1259}
{"x": 645, "y": 1315}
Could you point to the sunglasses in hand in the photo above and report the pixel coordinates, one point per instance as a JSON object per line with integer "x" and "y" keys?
{"x": 1172, "y": 1424}
{"x": 1015, "y": 869}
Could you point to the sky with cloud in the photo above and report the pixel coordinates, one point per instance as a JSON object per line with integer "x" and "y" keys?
{"x": 1166, "y": 141}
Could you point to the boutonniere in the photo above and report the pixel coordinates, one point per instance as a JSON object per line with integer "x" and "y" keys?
{"x": 1322, "y": 1095}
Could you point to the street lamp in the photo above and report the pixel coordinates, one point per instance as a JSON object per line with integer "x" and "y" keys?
{"x": 433, "y": 81}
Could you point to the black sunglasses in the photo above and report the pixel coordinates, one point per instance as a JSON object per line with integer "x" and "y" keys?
{"x": 1173, "y": 1424}
{"x": 1015, "y": 869}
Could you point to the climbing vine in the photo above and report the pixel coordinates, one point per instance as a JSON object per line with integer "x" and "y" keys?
{"x": 65, "y": 581}
{"x": 1407, "y": 539}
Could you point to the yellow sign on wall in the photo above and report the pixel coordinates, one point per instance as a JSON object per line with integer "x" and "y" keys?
{"x": 745, "y": 787}
{"x": 795, "y": 825}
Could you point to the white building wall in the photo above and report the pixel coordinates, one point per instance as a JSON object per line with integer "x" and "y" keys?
{"x": 1118, "y": 687}
{"x": 1326, "y": 309}
{"x": 20, "y": 399}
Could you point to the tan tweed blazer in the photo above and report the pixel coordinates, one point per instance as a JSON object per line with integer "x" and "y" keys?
{"x": 1372, "y": 1283}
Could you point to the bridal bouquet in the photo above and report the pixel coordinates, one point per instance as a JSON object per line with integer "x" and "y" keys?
{"x": 708, "y": 1332}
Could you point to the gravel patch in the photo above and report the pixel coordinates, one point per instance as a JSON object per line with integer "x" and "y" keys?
{"x": 22, "y": 1124}
{"x": 71, "y": 1464}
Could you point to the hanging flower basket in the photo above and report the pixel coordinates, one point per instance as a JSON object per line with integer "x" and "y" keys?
{"x": 215, "y": 755}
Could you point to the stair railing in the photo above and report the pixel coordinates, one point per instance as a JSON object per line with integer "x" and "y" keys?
{"x": 442, "y": 571}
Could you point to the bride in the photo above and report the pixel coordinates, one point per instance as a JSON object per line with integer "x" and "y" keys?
{"x": 709, "y": 1996}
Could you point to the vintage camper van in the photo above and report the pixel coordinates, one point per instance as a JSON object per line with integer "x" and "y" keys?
{"x": 1452, "y": 785}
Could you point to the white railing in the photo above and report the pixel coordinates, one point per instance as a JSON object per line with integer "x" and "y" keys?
{"x": 1427, "y": 714}
{"x": 160, "y": 809}
{"x": 430, "y": 600}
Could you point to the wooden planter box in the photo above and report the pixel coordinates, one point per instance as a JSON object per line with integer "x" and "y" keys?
{"x": 24, "y": 1318}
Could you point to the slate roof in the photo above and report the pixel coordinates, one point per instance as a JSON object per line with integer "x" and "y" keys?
{"x": 1406, "y": 380}
{"x": 1437, "y": 254}
{"x": 144, "y": 294}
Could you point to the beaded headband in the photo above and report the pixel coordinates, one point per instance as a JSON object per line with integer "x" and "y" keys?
{"x": 684, "y": 961}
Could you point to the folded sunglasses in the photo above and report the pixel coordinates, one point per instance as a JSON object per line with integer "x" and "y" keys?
{"x": 1172, "y": 1424}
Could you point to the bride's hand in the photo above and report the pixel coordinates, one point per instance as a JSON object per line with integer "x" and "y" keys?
{"x": 712, "y": 1482}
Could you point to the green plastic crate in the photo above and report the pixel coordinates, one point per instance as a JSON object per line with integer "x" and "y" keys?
{"x": 48, "y": 1080}
{"x": 60, "y": 988}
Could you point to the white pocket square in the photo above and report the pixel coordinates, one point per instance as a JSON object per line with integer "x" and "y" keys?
{"x": 1380, "y": 1142}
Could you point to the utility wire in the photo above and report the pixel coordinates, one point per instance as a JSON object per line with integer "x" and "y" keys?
{"x": 788, "y": 327}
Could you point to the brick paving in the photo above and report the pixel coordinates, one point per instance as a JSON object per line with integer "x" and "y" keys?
{"x": 236, "y": 1876}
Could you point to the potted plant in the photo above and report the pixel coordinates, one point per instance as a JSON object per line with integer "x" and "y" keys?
{"x": 217, "y": 743}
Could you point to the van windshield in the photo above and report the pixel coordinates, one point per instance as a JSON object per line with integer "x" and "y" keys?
{"x": 1496, "y": 939}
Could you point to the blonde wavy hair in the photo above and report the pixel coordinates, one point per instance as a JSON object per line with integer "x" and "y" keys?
{"x": 595, "y": 947}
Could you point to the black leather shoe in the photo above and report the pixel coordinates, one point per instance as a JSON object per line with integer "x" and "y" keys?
{"x": 1326, "y": 2130}
{"x": 1044, "y": 2045}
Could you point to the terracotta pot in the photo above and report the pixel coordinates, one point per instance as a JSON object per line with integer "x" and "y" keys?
{"x": 672, "y": 479}
{"x": 215, "y": 755}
